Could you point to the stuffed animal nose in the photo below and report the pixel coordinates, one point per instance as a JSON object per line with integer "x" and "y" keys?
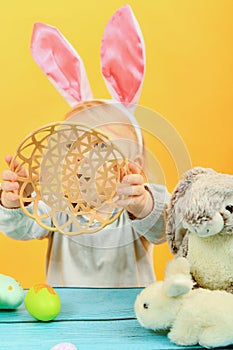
{"x": 207, "y": 228}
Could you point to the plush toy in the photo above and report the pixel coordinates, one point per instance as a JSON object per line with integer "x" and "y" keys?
{"x": 200, "y": 226}
{"x": 11, "y": 293}
{"x": 192, "y": 316}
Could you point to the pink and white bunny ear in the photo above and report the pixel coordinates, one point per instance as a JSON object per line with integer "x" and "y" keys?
{"x": 123, "y": 57}
{"x": 61, "y": 63}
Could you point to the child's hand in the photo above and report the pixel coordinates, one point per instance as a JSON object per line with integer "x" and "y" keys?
{"x": 134, "y": 197}
{"x": 10, "y": 185}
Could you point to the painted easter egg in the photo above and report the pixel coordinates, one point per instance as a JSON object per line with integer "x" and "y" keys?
{"x": 42, "y": 302}
{"x": 11, "y": 293}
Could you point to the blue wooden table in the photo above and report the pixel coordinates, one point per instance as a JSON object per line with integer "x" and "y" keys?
{"x": 89, "y": 319}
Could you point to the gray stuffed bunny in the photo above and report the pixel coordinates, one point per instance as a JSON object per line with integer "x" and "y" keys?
{"x": 200, "y": 226}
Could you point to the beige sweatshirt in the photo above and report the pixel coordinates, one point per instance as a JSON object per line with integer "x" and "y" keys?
{"x": 120, "y": 255}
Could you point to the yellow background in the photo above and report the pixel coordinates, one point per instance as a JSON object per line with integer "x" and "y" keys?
{"x": 188, "y": 81}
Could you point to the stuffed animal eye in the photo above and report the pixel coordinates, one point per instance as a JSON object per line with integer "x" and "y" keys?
{"x": 146, "y": 306}
{"x": 229, "y": 208}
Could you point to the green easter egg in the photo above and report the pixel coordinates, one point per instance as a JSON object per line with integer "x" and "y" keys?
{"x": 42, "y": 302}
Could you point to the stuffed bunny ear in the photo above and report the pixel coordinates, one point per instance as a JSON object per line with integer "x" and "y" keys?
{"x": 123, "y": 57}
{"x": 175, "y": 232}
{"x": 61, "y": 63}
{"x": 176, "y": 266}
{"x": 178, "y": 280}
{"x": 176, "y": 286}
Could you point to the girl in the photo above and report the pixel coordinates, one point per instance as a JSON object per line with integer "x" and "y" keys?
{"x": 119, "y": 255}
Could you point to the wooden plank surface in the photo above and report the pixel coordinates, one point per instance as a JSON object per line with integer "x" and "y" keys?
{"x": 85, "y": 304}
{"x": 90, "y": 318}
{"x": 85, "y": 335}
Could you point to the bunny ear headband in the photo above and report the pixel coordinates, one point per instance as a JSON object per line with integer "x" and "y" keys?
{"x": 122, "y": 62}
